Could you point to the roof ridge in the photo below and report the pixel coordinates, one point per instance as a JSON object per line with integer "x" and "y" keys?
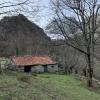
{"x": 31, "y": 56}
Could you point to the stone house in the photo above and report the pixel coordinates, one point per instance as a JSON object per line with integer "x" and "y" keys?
{"x": 33, "y": 64}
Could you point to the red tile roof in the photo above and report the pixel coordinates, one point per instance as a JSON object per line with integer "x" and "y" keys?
{"x": 32, "y": 60}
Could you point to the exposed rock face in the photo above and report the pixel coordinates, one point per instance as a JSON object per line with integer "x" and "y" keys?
{"x": 18, "y": 34}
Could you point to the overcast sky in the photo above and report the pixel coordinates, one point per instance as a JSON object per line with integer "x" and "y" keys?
{"x": 43, "y": 17}
{"x": 44, "y": 14}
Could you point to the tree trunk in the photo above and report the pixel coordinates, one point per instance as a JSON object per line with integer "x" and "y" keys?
{"x": 89, "y": 71}
{"x": 0, "y": 68}
{"x": 66, "y": 70}
{"x": 90, "y": 76}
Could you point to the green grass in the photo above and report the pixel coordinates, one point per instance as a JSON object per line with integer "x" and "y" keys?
{"x": 22, "y": 86}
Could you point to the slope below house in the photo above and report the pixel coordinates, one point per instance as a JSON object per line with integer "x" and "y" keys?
{"x": 33, "y": 64}
{"x": 20, "y": 36}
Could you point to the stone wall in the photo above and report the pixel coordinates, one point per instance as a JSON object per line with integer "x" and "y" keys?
{"x": 16, "y": 68}
{"x": 52, "y": 68}
{"x": 38, "y": 68}
{"x": 20, "y": 68}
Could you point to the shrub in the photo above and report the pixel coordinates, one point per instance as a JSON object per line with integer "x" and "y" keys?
{"x": 24, "y": 79}
{"x": 34, "y": 74}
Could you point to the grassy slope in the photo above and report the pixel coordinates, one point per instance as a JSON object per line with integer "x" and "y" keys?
{"x": 43, "y": 87}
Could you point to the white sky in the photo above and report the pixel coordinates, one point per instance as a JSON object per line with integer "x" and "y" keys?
{"x": 45, "y": 13}
{"x": 43, "y": 17}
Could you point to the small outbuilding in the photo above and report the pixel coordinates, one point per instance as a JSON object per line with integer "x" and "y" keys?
{"x": 33, "y": 64}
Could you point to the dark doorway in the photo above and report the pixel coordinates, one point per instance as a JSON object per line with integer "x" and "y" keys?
{"x": 45, "y": 68}
{"x": 27, "y": 68}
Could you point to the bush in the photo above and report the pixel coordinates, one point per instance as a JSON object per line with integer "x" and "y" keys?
{"x": 34, "y": 74}
{"x": 24, "y": 79}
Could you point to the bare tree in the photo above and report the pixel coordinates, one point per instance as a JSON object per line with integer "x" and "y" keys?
{"x": 10, "y": 6}
{"x": 83, "y": 40}
{"x": 29, "y": 8}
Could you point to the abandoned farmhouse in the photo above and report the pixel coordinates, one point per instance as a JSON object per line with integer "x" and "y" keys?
{"x": 33, "y": 64}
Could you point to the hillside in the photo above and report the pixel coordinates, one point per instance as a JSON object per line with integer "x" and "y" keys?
{"x": 18, "y": 33}
{"x": 22, "y": 86}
